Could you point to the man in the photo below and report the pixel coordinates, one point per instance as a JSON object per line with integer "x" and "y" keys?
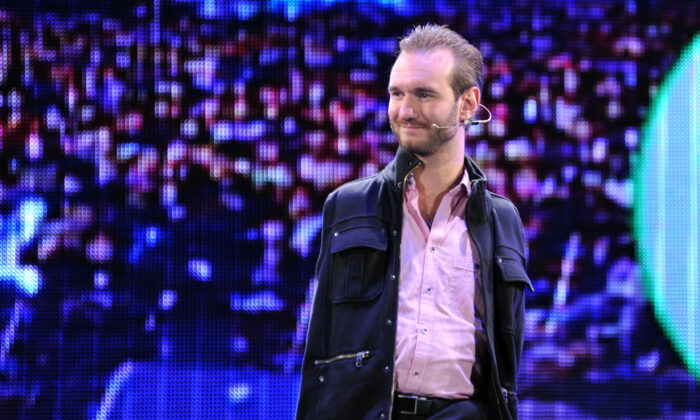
{"x": 418, "y": 312}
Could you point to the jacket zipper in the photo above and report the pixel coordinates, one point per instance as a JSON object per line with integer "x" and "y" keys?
{"x": 359, "y": 357}
{"x": 410, "y": 171}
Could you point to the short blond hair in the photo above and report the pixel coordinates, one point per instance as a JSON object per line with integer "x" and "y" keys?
{"x": 468, "y": 67}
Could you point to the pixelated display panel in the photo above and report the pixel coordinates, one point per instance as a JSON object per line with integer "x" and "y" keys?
{"x": 163, "y": 165}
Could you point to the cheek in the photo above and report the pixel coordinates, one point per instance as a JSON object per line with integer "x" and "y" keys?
{"x": 392, "y": 111}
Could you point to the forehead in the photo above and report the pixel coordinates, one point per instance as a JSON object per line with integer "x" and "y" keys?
{"x": 422, "y": 69}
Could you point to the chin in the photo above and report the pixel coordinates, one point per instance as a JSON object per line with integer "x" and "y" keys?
{"x": 410, "y": 144}
{"x": 419, "y": 148}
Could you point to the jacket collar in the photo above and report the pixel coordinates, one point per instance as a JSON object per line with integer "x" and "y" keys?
{"x": 404, "y": 162}
{"x": 478, "y": 206}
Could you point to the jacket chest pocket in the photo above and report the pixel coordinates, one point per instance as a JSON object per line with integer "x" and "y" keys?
{"x": 512, "y": 280}
{"x": 358, "y": 259}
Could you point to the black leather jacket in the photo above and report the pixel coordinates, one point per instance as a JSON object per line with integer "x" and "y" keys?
{"x": 348, "y": 368}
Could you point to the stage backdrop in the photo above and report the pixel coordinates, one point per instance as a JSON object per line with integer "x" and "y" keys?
{"x": 163, "y": 164}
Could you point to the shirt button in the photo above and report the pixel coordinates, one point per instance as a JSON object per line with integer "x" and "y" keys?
{"x": 394, "y": 232}
{"x": 387, "y": 369}
{"x": 499, "y": 259}
{"x": 321, "y": 379}
{"x": 425, "y": 331}
{"x": 416, "y": 373}
{"x": 393, "y": 276}
{"x": 335, "y": 234}
{"x": 388, "y": 322}
{"x": 428, "y": 290}
{"x": 432, "y": 249}
{"x": 382, "y": 416}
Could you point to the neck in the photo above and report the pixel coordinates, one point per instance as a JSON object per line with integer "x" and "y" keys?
{"x": 438, "y": 173}
{"x": 442, "y": 170}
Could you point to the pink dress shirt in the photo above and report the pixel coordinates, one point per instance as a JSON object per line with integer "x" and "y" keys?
{"x": 435, "y": 340}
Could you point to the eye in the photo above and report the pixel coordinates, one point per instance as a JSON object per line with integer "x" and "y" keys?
{"x": 396, "y": 94}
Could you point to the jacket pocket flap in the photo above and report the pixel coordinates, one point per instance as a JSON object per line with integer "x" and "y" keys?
{"x": 366, "y": 237}
{"x": 513, "y": 271}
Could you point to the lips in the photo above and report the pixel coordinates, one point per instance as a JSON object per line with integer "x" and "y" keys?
{"x": 408, "y": 128}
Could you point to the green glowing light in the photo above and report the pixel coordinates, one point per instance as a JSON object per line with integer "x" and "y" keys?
{"x": 667, "y": 208}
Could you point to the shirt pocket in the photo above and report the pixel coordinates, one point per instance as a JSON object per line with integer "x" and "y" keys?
{"x": 461, "y": 288}
{"x": 358, "y": 259}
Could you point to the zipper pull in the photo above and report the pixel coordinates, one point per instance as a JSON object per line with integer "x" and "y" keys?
{"x": 360, "y": 357}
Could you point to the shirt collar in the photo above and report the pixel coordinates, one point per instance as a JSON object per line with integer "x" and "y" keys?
{"x": 463, "y": 185}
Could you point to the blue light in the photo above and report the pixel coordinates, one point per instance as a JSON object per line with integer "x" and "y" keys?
{"x": 239, "y": 392}
{"x": 135, "y": 253}
{"x": 304, "y": 234}
{"x": 269, "y": 56}
{"x": 167, "y": 301}
{"x": 291, "y": 11}
{"x": 127, "y": 150}
{"x": 247, "y": 9}
{"x": 222, "y": 131}
{"x": 262, "y": 301}
{"x": 630, "y": 70}
{"x": 530, "y": 111}
{"x": 568, "y": 173}
{"x": 200, "y": 269}
{"x": 368, "y": 57}
{"x": 31, "y": 212}
{"x": 209, "y": 9}
{"x": 239, "y": 344}
{"x": 29, "y": 280}
{"x": 290, "y": 126}
{"x": 252, "y": 235}
{"x": 152, "y": 235}
{"x": 249, "y": 131}
{"x": 247, "y": 72}
{"x": 101, "y": 279}
{"x": 17, "y": 230}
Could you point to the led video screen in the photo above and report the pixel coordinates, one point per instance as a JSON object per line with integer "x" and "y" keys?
{"x": 164, "y": 164}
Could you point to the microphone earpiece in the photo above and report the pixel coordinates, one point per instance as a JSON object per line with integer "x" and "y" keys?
{"x": 469, "y": 121}
{"x": 477, "y": 122}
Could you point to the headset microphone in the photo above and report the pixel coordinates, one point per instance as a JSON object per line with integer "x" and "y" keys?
{"x": 467, "y": 122}
{"x": 446, "y": 126}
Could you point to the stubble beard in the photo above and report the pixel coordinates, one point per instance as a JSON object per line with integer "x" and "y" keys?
{"x": 436, "y": 137}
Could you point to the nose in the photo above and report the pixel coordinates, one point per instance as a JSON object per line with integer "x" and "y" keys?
{"x": 406, "y": 110}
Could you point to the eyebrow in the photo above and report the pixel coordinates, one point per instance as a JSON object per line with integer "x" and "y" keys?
{"x": 416, "y": 90}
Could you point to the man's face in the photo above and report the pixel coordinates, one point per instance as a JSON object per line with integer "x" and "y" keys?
{"x": 420, "y": 95}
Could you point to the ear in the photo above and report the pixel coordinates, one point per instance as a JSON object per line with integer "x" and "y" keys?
{"x": 469, "y": 103}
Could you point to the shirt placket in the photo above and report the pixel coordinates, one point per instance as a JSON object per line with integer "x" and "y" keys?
{"x": 428, "y": 294}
